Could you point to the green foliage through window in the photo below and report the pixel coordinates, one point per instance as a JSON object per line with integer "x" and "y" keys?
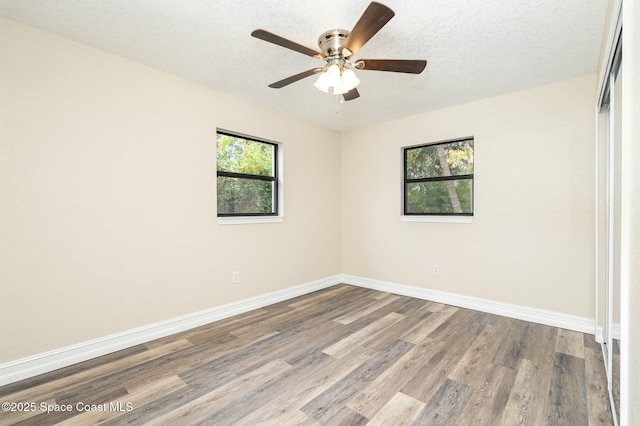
{"x": 438, "y": 179}
{"x": 247, "y": 180}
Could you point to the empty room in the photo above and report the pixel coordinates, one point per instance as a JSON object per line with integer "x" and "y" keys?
{"x": 319, "y": 213}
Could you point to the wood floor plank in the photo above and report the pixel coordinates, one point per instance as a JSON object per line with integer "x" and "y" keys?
{"x": 323, "y": 296}
{"x": 180, "y": 363}
{"x": 527, "y": 403}
{"x": 359, "y": 313}
{"x": 477, "y": 359}
{"x": 515, "y": 344}
{"x": 43, "y": 390}
{"x": 168, "y": 402}
{"x": 445, "y": 406}
{"x": 478, "y": 322}
{"x": 56, "y": 417}
{"x": 135, "y": 397}
{"x": 348, "y": 344}
{"x": 425, "y": 383}
{"x": 201, "y": 408}
{"x": 264, "y": 396}
{"x": 225, "y": 326}
{"x": 489, "y": 396}
{"x": 17, "y": 417}
{"x": 390, "y": 334}
{"x": 288, "y": 417}
{"x": 422, "y": 331}
{"x": 378, "y": 393}
{"x": 326, "y": 404}
{"x": 302, "y": 388}
{"x": 413, "y": 307}
{"x": 173, "y": 363}
{"x": 380, "y": 295}
{"x": 226, "y": 361}
{"x": 307, "y": 421}
{"x": 346, "y": 416}
{"x": 96, "y": 396}
{"x": 541, "y": 348}
{"x": 570, "y": 343}
{"x": 310, "y": 316}
{"x": 461, "y": 318}
{"x": 433, "y": 307}
{"x": 568, "y": 395}
{"x": 400, "y": 410}
{"x": 289, "y": 350}
{"x": 402, "y": 305}
{"x": 209, "y": 331}
{"x": 292, "y": 318}
{"x": 324, "y": 340}
{"x": 599, "y": 409}
{"x": 589, "y": 341}
{"x": 134, "y": 375}
{"x": 276, "y": 322}
{"x": 32, "y": 382}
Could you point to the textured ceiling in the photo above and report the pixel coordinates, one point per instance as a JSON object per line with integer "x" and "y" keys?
{"x": 475, "y": 49}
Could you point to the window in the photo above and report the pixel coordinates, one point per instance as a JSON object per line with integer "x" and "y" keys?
{"x": 438, "y": 179}
{"x": 247, "y": 176}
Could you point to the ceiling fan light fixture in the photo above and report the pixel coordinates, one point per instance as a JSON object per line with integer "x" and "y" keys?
{"x": 349, "y": 79}
{"x": 334, "y": 71}
{"x": 323, "y": 82}
{"x": 341, "y": 79}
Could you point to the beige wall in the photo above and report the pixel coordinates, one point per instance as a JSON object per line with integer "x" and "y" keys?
{"x": 531, "y": 240}
{"x": 107, "y": 197}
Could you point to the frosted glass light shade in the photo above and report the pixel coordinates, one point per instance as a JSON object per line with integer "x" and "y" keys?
{"x": 334, "y": 71}
{"x": 342, "y": 80}
{"x": 349, "y": 80}
{"x": 323, "y": 82}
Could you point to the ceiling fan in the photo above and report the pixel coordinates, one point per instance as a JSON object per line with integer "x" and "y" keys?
{"x": 337, "y": 48}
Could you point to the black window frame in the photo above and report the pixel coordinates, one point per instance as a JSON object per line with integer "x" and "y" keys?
{"x": 274, "y": 178}
{"x": 435, "y": 179}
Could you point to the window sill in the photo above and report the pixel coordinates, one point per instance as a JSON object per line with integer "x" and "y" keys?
{"x": 242, "y": 220}
{"x": 438, "y": 219}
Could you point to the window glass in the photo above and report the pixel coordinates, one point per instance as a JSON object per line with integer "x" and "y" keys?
{"x": 247, "y": 179}
{"x": 448, "y": 159}
{"x": 239, "y": 155}
{"x": 438, "y": 178}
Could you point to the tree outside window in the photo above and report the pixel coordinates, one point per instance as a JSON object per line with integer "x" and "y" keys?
{"x": 247, "y": 176}
{"x": 438, "y": 179}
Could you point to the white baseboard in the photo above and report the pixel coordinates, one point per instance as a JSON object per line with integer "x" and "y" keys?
{"x": 42, "y": 363}
{"x": 556, "y": 319}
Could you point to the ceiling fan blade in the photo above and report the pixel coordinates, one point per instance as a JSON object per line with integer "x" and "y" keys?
{"x": 372, "y": 20}
{"x": 351, "y": 95}
{"x": 393, "y": 65}
{"x": 281, "y": 41}
{"x": 294, "y": 78}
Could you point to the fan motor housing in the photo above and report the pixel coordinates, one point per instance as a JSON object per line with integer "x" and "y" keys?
{"x": 331, "y": 41}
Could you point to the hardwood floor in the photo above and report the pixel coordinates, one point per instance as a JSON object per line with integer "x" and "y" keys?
{"x": 341, "y": 356}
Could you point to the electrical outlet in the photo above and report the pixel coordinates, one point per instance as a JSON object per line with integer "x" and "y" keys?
{"x": 436, "y": 269}
{"x": 236, "y": 277}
